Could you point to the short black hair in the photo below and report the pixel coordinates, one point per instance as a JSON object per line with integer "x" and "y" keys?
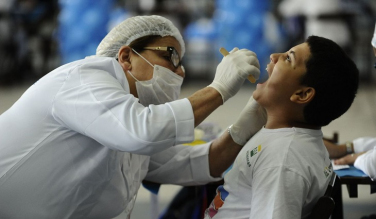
{"x": 335, "y": 78}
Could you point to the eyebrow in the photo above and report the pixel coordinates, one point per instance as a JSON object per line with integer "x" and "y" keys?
{"x": 293, "y": 53}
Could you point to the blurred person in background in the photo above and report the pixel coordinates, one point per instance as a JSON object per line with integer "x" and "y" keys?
{"x": 79, "y": 142}
{"x": 361, "y": 152}
{"x": 320, "y": 17}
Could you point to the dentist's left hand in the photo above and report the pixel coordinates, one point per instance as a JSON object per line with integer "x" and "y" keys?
{"x": 250, "y": 121}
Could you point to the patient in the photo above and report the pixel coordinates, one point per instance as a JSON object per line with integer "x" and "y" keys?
{"x": 285, "y": 168}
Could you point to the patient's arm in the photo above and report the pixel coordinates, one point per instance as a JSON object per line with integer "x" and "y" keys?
{"x": 222, "y": 154}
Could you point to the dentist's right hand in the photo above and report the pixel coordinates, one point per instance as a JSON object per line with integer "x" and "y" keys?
{"x": 233, "y": 70}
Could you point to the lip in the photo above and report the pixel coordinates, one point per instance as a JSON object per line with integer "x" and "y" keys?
{"x": 269, "y": 69}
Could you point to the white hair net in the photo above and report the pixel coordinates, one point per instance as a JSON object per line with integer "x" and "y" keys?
{"x": 134, "y": 28}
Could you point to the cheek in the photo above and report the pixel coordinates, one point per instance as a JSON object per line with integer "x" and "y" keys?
{"x": 143, "y": 72}
{"x": 268, "y": 91}
{"x": 278, "y": 80}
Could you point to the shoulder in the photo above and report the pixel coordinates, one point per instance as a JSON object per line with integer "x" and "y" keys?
{"x": 104, "y": 64}
{"x": 100, "y": 70}
{"x": 289, "y": 148}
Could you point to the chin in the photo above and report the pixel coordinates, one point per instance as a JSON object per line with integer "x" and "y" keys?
{"x": 256, "y": 95}
{"x": 260, "y": 86}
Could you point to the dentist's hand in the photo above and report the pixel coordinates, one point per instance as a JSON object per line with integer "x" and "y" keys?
{"x": 233, "y": 70}
{"x": 251, "y": 120}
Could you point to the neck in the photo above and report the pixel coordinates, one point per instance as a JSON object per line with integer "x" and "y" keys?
{"x": 287, "y": 120}
{"x": 132, "y": 84}
{"x": 290, "y": 124}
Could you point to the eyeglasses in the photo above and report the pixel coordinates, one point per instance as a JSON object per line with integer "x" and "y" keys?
{"x": 174, "y": 55}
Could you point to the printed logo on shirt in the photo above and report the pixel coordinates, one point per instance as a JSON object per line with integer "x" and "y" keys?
{"x": 328, "y": 170}
{"x": 217, "y": 202}
{"x": 251, "y": 153}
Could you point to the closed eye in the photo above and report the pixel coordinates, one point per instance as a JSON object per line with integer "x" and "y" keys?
{"x": 288, "y": 58}
{"x": 166, "y": 57}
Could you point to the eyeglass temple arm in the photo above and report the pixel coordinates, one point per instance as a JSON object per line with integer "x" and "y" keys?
{"x": 162, "y": 48}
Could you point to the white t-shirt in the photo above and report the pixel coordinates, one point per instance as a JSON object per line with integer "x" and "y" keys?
{"x": 77, "y": 144}
{"x": 366, "y": 162}
{"x": 279, "y": 173}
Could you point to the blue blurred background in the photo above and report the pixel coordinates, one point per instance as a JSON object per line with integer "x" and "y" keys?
{"x": 37, "y": 36}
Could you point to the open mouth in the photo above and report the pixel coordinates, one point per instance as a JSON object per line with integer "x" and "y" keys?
{"x": 268, "y": 71}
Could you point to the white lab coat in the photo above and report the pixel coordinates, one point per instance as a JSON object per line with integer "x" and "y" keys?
{"x": 366, "y": 162}
{"x": 77, "y": 144}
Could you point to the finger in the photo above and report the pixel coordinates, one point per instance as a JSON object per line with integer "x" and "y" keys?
{"x": 253, "y": 105}
{"x": 234, "y": 50}
{"x": 251, "y": 101}
{"x": 250, "y": 70}
{"x": 252, "y": 60}
{"x": 340, "y": 161}
{"x": 248, "y": 52}
{"x": 348, "y": 159}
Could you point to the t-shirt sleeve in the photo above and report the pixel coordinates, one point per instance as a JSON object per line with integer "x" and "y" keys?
{"x": 278, "y": 193}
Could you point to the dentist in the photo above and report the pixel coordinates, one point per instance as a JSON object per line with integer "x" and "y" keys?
{"x": 79, "y": 142}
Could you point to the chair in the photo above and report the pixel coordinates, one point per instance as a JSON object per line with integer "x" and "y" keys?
{"x": 324, "y": 206}
{"x": 333, "y": 139}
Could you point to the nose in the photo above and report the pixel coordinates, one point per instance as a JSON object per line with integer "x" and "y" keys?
{"x": 274, "y": 57}
{"x": 180, "y": 71}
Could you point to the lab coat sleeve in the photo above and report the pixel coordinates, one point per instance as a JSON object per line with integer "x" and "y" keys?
{"x": 181, "y": 165}
{"x": 92, "y": 102}
{"x": 367, "y": 163}
{"x": 278, "y": 193}
{"x": 364, "y": 144}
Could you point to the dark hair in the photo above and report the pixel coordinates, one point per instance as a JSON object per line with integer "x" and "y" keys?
{"x": 335, "y": 78}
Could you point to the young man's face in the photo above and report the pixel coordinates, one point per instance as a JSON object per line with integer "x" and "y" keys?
{"x": 285, "y": 71}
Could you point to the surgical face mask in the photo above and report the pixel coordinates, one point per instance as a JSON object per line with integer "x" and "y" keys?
{"x": 162, "y": 88}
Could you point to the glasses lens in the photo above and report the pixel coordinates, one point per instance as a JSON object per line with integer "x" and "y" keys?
{"x": 175, "y": 58}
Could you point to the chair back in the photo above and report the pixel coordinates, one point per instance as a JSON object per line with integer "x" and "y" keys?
{"x": 325, "y": 205}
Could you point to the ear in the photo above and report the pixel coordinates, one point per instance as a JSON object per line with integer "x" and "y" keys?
{"x": 124, "y": 57}
{"x": 303, "y": 95}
